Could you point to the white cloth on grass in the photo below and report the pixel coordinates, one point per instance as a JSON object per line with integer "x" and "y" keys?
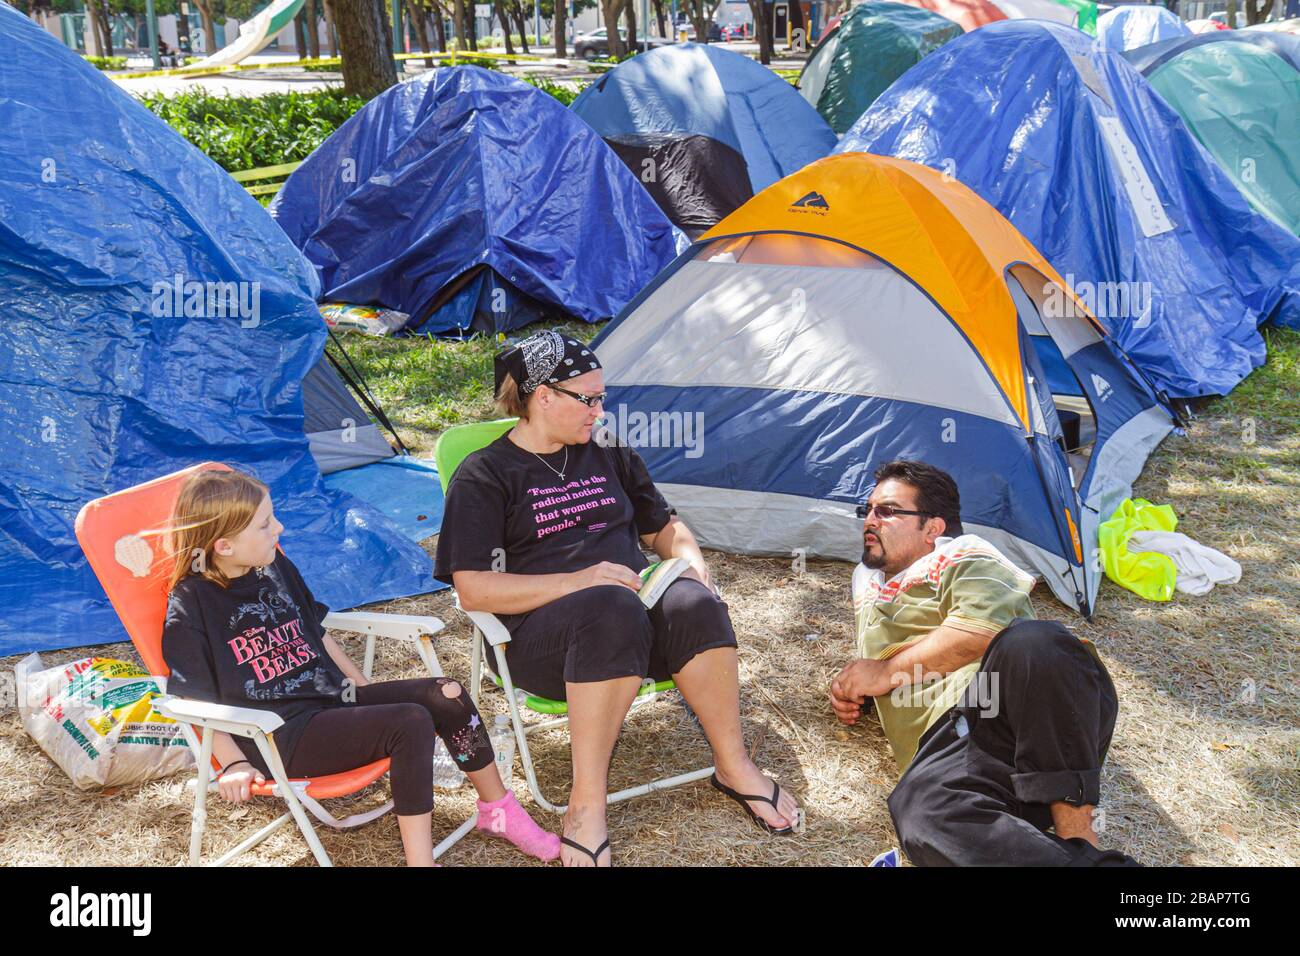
{"x": 1200, "y": 568}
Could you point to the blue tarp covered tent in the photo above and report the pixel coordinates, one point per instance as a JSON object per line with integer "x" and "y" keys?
{"x": 703, "y": 127}
{"x": 1130, "y": 27}
{"x": 110, "y": 376}
{"x": 462, "y": 182}
{"x": 1072, "y": 145}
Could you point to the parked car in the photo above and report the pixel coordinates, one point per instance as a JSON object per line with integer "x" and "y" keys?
{"x": 715, "y": 31}
{"x": 590, "y": 46}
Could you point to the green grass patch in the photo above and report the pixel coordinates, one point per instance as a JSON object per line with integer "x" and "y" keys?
{"x": 426, "y": 385}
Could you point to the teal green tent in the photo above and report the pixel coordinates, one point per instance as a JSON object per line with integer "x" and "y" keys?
{"x": 873, "y": 45}
{"x": 1241, "y": 99}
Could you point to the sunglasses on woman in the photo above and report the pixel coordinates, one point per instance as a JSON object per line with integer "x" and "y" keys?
{"x": 588, "y": 400}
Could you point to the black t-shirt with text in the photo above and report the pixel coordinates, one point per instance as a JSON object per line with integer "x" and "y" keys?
{"x": 507, "y": 511}
{"x": 256, "y": 643}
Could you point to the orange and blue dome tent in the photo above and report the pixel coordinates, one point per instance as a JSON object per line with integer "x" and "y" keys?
{"x": 866, "y": 309}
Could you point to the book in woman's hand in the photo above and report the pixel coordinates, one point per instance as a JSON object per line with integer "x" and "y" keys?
{"x": 656, "y": 578}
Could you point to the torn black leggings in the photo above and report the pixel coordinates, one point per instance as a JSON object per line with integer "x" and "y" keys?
{"x": 397, "y": 719}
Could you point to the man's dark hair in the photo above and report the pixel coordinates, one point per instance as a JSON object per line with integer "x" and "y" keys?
{"x": 936, "y": 492}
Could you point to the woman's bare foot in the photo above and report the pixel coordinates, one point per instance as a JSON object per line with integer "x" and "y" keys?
{"x": 586, "y": 827}
{"x": 747, "y": 778}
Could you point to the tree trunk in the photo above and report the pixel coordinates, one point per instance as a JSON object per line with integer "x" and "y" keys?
{"x": 331, "y": 31}
{"x": 499, "y": 8}
{"x": 699, "y": 19}
{"x": 517, "y": 8}
{"x": 416, "y": 15}
{"x": 661, "y": 18}
{"x": 458, "y": 24}
{"x": 313, "y": 29}
{"x": 439, "y": 30}
{"x": 610, "y": 10}
{"x": 366, "y": 47}
{"x": 763, "y": 29}
{"x": 300, "y": 34}
{"x": 798, "y": 27}
{"x": 106, "y": 21}
{"x": 558, "y": 27}
{"x": 629, "y": 17}
{"x": 209, "y": 26}
{"x": 90, "y": 33}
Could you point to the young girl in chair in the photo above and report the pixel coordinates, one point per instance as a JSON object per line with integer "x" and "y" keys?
{"x": 243, "y": 629}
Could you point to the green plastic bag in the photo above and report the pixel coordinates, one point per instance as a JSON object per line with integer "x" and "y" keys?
{"x": 1147, "y": 574}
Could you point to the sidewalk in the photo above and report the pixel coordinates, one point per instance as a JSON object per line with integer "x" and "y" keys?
{"x": 261, "y": 82}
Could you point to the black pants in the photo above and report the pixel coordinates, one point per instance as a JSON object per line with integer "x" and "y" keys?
{"x": 397, "y": 719}
{"x": 604, "y": 633}
{"x": 979, "y": 789}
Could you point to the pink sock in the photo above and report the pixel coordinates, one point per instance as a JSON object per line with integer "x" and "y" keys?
{"x": 506, "y": 818}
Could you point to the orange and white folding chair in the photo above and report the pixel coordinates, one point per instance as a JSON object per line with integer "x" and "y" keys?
{"x": 132, "y": 567}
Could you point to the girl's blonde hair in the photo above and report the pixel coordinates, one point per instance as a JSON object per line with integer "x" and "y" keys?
{"x": 212, "y": 505}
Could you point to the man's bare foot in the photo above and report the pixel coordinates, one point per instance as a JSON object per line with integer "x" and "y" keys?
{"x": 747, "y": 778}
{"x": 1070, "y": 822}
{"x": 586, "y": 827}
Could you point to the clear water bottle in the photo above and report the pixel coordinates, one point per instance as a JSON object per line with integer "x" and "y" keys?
{"x": 503, "y": 745}
{"x": 446, "y": 775}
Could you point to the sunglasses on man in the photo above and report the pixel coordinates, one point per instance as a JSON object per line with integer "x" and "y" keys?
{"x": 885, "y": 512}
{"x": 589, "y": 400}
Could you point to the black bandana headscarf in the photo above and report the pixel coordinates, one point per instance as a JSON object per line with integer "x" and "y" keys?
{"x": 543, "y": 359}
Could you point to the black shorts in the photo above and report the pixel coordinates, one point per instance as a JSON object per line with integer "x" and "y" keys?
{"x": 605, "y": 633}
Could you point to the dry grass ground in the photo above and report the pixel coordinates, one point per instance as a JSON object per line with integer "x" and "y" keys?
{"x": 1204, "y": 768}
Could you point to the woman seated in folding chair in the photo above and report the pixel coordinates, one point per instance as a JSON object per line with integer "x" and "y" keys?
{"x": 564, "y": 583}
{"x": 243, "y": 629}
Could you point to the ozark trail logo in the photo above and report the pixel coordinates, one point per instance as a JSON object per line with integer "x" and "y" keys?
{"x": 814, "y": 202}
{"x": 1101, "y": 386}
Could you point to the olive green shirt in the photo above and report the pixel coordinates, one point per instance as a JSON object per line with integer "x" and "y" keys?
{"x": 964, "y": 583}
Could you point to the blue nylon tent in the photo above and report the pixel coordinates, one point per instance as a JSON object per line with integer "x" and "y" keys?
{"x": 109, "y": 378}
{"x": 1073, "y": 146}
{"x": 1131, "y": 27}
{"x": 704, "y": 127}
{"x": 461, "y": 182}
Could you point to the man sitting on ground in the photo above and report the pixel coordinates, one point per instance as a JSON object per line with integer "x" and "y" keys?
{"x": 992, "y": 754}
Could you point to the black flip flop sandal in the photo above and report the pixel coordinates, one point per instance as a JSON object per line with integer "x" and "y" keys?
{"x": 595, "y": 857}
{"x": 742, "y": 799}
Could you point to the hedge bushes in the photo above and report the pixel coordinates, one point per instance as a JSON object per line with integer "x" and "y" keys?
{"x": 246, "y": 132}
{"x": 106, "y": 62}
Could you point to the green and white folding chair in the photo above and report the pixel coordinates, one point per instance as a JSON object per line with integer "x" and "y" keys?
{"x": 453, "y": 446}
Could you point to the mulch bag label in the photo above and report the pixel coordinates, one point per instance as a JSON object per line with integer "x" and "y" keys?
{"x": 95, "y": 718}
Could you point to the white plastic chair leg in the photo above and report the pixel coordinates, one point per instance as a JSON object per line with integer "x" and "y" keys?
{"x": 199, "y": 816}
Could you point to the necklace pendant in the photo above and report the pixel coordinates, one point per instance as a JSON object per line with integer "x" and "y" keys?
{"x": 561, "y": 474}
